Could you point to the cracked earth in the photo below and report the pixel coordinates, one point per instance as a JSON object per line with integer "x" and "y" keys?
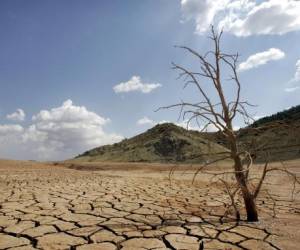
{"x": 56, "y": 207}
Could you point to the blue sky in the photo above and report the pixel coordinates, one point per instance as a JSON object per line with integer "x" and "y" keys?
{"x": 67, "y": 57}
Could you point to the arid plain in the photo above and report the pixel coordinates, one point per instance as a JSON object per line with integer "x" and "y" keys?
{"x": 136, "y": 206}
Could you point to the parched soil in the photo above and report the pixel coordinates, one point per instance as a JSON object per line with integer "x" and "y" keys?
{"x": 49, "y": 206}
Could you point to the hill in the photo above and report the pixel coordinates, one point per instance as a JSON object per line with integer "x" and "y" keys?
{"x": 290, "y": 115}
{"x": 162, "y": 143}
{"x": 276, "y": 137}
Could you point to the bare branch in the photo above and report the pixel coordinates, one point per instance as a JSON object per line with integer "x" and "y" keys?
{"x": 216, "y": 109}
{"x": 259, "y": 185}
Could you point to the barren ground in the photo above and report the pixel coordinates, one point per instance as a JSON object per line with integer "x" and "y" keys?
{"x": 134, "y": 206}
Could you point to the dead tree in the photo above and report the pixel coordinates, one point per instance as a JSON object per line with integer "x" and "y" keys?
{"x": 217, "y": 110}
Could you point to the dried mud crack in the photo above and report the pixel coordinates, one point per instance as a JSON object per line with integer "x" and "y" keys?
{"x": 52, "y": 207}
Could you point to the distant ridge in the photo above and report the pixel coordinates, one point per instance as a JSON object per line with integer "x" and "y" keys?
{"x": 277, "y": 135}
{"x": 162, "y": 143}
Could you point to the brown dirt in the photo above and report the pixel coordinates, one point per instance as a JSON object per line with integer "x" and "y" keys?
{"x": 134, "y": 206}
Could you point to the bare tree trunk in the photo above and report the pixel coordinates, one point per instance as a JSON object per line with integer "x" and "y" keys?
{"x": 250, "y": 206}
{"x": 221, "y": 115}
{"x": 240, "y": 175}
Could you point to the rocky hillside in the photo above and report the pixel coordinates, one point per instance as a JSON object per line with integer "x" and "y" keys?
{"x": 162, "y": 143}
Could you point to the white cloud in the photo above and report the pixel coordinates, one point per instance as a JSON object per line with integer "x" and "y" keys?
{"x": 294, "y": 83}
{"x": 273, "y": 17}
{"x": 60, "y": 133}
{"x": 69, "y": 114}
{"x": 145, "y": 121}
{"x": 135, "y": 84}
{"x": 186, "y": 125}
{"x": 261, "y": 58}
{"x": 19, "y": 115}
{"x": 291, "y": 89}
{"x": 202, "y": 12}
{"x": 10, "y": 140}
{"x": 244, "y": 17}
{"x": 10, "y": 129}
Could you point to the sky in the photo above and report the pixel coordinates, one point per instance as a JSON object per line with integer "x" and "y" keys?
{"x": 79, "y": 74}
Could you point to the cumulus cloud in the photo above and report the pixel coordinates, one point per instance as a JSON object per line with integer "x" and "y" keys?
{"x": 261, "y": 58}
{"x": 62, "y": 132}
{"x": 10, "y": 140}
{"x": 273, "y": 17}
{"x": 294, "y": 83}
{"x": 202, "y": 12}
{"x": 135, "y": 84}
{"x": 10, "y": 129}
{"x": 19, "y": 115}
{"x": 145, "y": 121}
{"x": 244, "y": 17}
